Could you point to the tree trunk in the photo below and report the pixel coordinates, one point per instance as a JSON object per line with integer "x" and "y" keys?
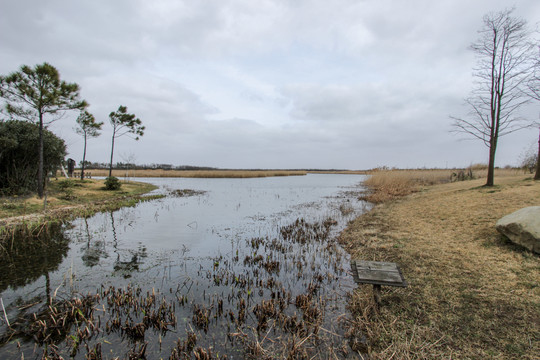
{"x": 491, "y": 164}
{"x": 537, "y": 175}
{"x": 40, "y": 165}
{"x": 112, "y": 152}
{"x": 83, "y": 158}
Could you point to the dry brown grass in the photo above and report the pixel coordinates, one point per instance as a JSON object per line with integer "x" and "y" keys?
{"x": 344, "y": 172}
{"x": 385, "y": 185}
{"x": 471, "y": 294}
{"x": 196, "y": 173}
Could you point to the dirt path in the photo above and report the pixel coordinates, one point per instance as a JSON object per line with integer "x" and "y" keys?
{"x": 472, "y": 294}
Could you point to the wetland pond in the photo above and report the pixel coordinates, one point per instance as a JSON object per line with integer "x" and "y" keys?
{"x": 233, "y": 268}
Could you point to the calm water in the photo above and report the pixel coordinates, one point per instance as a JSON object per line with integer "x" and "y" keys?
{"x": 228, "y": 255}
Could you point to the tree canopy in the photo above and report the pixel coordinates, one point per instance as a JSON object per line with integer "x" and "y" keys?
{"x": 124, "y": 123}
{"x": 34, "y": 93}
{"x": 88, "y": 128}
{"x": 39, "y": 95}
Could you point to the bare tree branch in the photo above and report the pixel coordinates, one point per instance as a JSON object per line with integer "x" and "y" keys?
{"x": 501, "y": 74}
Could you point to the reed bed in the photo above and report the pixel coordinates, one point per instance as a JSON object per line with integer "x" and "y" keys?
{"x": 197, "y": 173}
{"x": 385, "y": 185}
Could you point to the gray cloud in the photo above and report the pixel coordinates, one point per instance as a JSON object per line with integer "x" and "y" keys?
{"x": 272, "y": 83}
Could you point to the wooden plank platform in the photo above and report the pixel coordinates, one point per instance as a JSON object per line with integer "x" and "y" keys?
{"x": 377, "y": 273}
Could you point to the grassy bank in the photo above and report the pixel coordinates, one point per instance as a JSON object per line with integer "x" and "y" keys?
{"x": 197, "y": 173}
{"x": 385, "y": 185}
{"x": 471, "y": 295}
{"x": 66, "y": 199}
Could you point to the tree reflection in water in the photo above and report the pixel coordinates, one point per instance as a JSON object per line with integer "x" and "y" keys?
{"x": 27, "y": 259}
{"x": 94, "y": 251}
{"x": 123, "y": 267}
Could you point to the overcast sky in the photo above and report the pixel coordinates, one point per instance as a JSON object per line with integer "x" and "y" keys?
{"x": 267, "y": 84}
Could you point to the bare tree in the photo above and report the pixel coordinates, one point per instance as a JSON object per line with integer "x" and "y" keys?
{"x": 527, "y": 158}
{"x": 129, "y": 160}
{"x": 503, "y": 63}
{"x": 534, "y": 92}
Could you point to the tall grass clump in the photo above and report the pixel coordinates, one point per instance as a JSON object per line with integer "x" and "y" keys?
{"x": 385, "y": 185}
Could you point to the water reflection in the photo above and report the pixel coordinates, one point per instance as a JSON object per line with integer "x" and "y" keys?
{"x": 22, "y": 262}
{"x": 225, "y": 267}
{"x": 126, "y": 267}
{"x": 94, "y": 250}
{"x": 126, "y": 261}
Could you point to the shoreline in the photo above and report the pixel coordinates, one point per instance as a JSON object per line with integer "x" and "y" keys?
{"x": 471, "y": 292}
{"x": 159, "y": 173}
{"x": 82, "y": 202}
{"x": 66, "y": 203}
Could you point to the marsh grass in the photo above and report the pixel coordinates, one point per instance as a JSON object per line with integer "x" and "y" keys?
{"x": 472, "y": 294}
{"x": 385, "y": 185}
{"x": 197, "y": 173}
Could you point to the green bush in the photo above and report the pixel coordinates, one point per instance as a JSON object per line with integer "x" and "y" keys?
{"x": 112, "y": 183}
{"x": 66, "y": 187}
{"x": 19, "y": 156}
{"x": 68, "y": 194}
{"x": 65, "y": 184}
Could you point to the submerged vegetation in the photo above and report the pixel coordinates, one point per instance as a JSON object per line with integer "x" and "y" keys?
{"x": 271, "y": 299}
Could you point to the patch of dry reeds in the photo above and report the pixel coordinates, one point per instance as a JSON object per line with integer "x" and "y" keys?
{"x": 385, "y": 185}
{"x": 196, "y": 173}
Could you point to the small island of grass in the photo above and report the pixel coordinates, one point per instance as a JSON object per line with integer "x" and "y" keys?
{"x": 65, "y": 199}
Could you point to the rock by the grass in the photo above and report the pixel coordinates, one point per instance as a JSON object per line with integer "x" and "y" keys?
{"x": 522, "y": 227}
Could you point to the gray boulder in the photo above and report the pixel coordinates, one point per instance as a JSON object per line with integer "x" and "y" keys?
{"x": 522, "y": 227}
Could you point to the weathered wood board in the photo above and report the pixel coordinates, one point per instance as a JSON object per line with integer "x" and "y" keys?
{"x": 377, "y": 273}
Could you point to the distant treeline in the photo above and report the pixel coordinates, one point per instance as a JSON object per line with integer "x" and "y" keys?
{"x": 129, "y": 166}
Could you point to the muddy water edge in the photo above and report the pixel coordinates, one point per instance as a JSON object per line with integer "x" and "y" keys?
{"x": 232, "y": 268}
